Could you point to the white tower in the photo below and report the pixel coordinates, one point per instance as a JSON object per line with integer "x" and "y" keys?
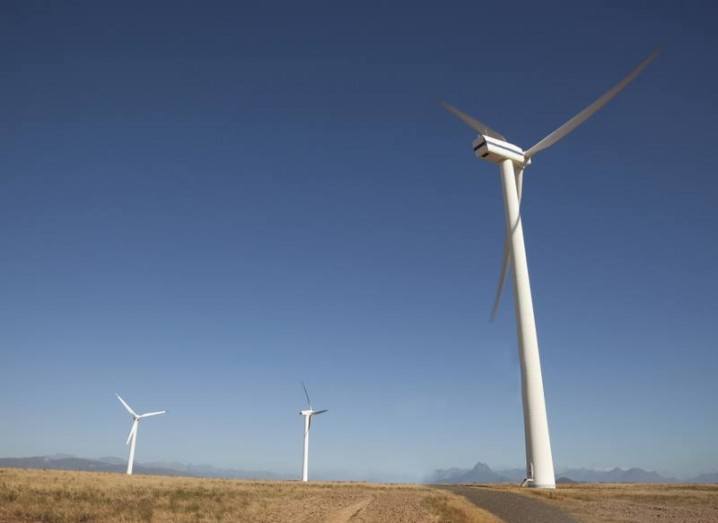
{"x": 132, "y": 437}
{"x": 308, "y": 414}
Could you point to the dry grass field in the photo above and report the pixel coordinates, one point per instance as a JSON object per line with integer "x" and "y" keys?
{"x": 52, "y": 496}
{"x": 624, "y": 503}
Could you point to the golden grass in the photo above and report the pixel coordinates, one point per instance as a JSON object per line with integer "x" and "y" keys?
{"x": 634, "y": 503}
{"x": 52, "y": 496}
{"x": 455, "y": 508}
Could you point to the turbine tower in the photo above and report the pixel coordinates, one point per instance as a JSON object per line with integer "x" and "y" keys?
{"x": 132, "y": 437}
{"x": 307, "y": 413}
{"x": 512, "y": 162}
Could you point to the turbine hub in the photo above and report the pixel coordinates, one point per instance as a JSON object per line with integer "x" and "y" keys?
{"x": 496, "y": 151}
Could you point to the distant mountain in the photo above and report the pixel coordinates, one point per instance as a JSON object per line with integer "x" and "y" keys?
{"x": 113, "y": 460}
{"x": 60, "y": 463}
{"x": 481, "y": 473}
{"x": 514, "y": 475}
{"x": 216, "y": 472}
{"x": 113, "y": 464}
{"x": 563, "y": 480}
{"x": 616, "y": 475}
{"x": 704, "y": 478}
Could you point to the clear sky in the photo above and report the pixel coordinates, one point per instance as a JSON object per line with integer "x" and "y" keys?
{"x": 202, "y": 204}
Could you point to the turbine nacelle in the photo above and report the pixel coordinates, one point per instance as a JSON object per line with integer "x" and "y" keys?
{"x": 496, "y": 151}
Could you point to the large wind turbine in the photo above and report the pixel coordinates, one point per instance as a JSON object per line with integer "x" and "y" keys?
{"x": 132, "y": 437}
{"x": 512, "y": 161}
{"x": 307, "y": 413}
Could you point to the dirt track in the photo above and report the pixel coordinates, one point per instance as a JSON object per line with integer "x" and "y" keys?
{"x": 511, "y": 508}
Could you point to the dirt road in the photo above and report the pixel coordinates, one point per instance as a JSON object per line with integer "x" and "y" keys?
{"x": 512, "y": 508}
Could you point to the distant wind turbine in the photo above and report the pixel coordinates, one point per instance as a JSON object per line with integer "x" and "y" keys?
{"x": 132, "y": 437}
{"x": 308, "y": 413}
{"x": 512, "y": 160}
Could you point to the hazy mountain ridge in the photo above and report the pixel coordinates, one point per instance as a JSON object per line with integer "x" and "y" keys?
{"x": 161, "y": 468}
{"x": 705, "y": 478}
{"x": 113, "y": 464}
{"x": 482, "y": 473}
{"x": 617, "y": 475}
{"x": 58, "y": 462}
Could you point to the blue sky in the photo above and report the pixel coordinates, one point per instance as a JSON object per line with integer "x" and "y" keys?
{"x": 202, "y": 205}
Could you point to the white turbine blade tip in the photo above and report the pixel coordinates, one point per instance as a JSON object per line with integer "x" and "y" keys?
{"x": 319, "y": 412}
{"x": 148, "y": 414}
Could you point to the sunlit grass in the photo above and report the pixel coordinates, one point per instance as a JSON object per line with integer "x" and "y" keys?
{"x": 51, "y": 496}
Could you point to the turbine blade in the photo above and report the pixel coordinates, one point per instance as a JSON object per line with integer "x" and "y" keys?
{"x": 309, "y": 402}
{"x": 132, "y": 431}
{"x": 520, "y": 184}
{"x": 506, "y": 259}
{"x": 129, "y": 409}
{"x": 502, "y": 277}
{"x": 319, "y": 412}
{"x": 473, "y": 122}
{"x": 152, "y": 414}
{"x": 581, "y": 117}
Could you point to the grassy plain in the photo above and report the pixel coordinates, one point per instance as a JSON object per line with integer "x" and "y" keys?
{"x": 634, "y": 503}
{"x": 52, "y": 496}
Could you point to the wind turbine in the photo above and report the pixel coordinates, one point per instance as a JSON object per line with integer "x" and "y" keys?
{"x": 307, "y": 413}
{"x": 132, "y": 437}
{"x": 513, "y": 161}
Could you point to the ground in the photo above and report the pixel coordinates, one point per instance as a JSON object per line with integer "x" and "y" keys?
{"x": 632, "y": 503}
{"x": 52, "y": 496}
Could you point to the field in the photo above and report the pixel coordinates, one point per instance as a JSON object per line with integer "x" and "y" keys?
{"x": 624, "y": 503}
{"x": 51, "y": 496}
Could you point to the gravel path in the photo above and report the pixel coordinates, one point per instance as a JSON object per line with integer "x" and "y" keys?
{"x": 510, "y": 507}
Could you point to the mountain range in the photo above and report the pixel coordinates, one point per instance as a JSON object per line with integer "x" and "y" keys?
{"x": 479, "y": 473}
{"x": 113, "y": 464}
{"x": 482, "y": 473}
